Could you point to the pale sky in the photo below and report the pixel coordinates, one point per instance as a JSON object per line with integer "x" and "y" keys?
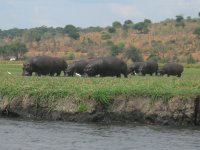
{"x": 85, "y": 13}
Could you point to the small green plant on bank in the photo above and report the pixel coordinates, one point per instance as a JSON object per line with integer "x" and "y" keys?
{"x": 82, "y": 107}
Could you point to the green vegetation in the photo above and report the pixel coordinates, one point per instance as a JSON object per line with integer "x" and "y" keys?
{"x": 116, "y": 49}
{"x": 134, "y": 54}
{"x": 82, "y": 107}
{"x": 197, "y": 32}
{"x": 70, "y": 56}
{"x": 51, "y": 89}
{"x": 191, "y": 60}
{"x": 72, "y": 31}
{"x": 105, "y": 36}
{"x": 169, "y": 40}
{"x": 116, "y": 24}
{"x": 111, "y": 30}
{"x": 142, "y": 27}
{"x": 16, "y": 49}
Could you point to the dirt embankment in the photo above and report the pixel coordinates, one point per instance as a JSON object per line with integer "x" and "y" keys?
{"x": 176, "y": 111}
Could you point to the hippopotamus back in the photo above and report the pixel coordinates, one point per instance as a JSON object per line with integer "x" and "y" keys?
{"x": 149, "y": 67}
{"x": 106, "y": 66}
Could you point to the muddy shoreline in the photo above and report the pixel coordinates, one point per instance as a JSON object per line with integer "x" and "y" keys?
{"x": 175, "y": 111}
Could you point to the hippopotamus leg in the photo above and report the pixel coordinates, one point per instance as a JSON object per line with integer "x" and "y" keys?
{"x": 118, "y": 75}
{"x": 51, "y": 74}
{"x": 125, "y": 75}
{"x": 133, "y": 73}
{"x": 58, "y": 73}
{"x": 179, "y": 75}
{"x": 38, "y": 73}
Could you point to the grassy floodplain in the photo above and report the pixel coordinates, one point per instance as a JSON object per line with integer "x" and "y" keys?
{"x": 52, "y": 89}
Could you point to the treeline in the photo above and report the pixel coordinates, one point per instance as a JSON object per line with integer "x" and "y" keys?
{"x": 13, "y": 42}
{"x": 36, "y": 34}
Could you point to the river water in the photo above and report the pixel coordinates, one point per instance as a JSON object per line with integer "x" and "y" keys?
{"x": 44, "y": 135}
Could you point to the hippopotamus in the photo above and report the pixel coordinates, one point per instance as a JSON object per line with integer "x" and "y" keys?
{"x": 149, "y": 67}
{"x": 44, "y": 65}
{"x": 134, "y": 69}
{"x": 59, "y": 65}
{"x": 173, "y": 69}
{"x": 76, "y": 67}
{"x": 106, "y": 66}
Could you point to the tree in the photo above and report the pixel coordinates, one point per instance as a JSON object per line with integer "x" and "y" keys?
{"x": 105, "y": 36}
{"x": 16, "y": 49}
{"x": 197, "y": 32}
{"x": 179, "y": 18}
{"x": 134, "y": 54}
{"x": 127, "y": 24}
{"x": 189, "y": 18}
{"x": 116, "y": 49}
{"x": 142, "y": 27}
{"x": 199, "y": 14}
{"x": 74, "y": 35}
{"x": 70, "y": 28}
{"x": 72, "y": 31}
{"x": 147, "y": 21}
{"x": 111, "y": 30}
{"x": 11, "y": 33}
{"x": 116, "y": 24}
{"x": 191, "y": 60}
{"x": 159, "y": 48}
{"x": 180, "y": 21}
{"x": 5, "y": 51}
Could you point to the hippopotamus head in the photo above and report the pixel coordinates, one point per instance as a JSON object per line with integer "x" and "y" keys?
{"x": 70, "y": 70}
{"x": 130, "y": 69}
{"x": 27, "y": 69}
{"x": 90, "y": 70}
{"x": 161, "y": 72}
{"x": 142, "y": 68}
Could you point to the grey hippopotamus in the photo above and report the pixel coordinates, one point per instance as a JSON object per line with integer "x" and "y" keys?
{"x": 77, "y": 67}
{"x": 173, "y": 69}
{"x": 149, "y": 67}
{"x": 106, "y": 66}
{"x": 44, "y": 65}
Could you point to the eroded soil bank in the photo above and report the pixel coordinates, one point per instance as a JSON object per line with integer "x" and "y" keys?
{"x": 176, "y": 111}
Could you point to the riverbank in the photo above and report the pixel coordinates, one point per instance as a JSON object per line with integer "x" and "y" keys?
{"x": 175, "y": 111}
{"x": 149, "y": 99}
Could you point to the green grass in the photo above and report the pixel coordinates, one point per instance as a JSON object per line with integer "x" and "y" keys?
{"x": 51, "y": 89}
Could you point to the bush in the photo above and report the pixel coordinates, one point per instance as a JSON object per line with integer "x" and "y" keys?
{"x": 70, "y": 56}
{"x": 127, "y": 24}
{"x": 116, "y": 24}
{"x": 134, "y": 54}
{"x": 191, "y": 60}
{"x": 105, "y": 36}
{"x": 116, "y": 49}
{"x": 197, "y": 32}
{"x": 111, "y": 30}
{"x": 74, "y": 35}
{"x": 142, "y": 27}
{"x": 72, "y": 31}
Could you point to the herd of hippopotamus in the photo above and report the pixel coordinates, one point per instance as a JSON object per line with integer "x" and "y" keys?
{"x": 102, "y": 66}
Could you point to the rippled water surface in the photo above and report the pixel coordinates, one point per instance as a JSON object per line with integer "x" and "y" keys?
{"x": 43, "y": 135}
